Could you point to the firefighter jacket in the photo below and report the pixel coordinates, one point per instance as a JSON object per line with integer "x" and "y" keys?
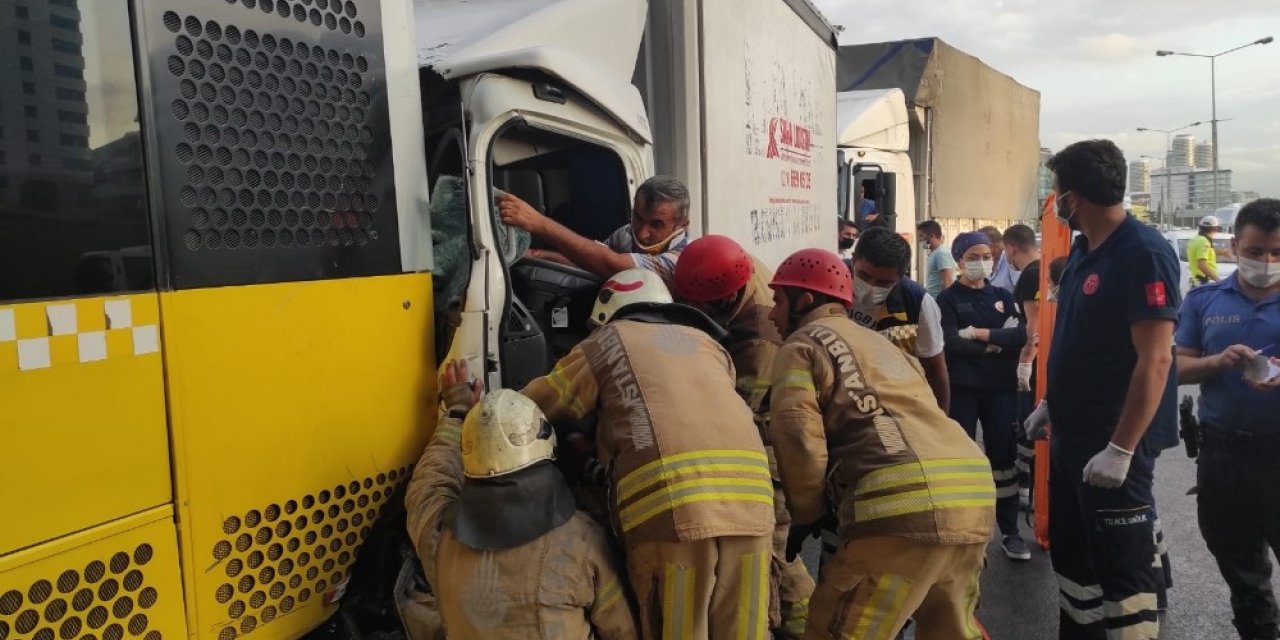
{"x": 753, "y": 340}
{"x": 685, "y": 459}
{"x": 857, "y": 429}
{"x": 563, "y": 584}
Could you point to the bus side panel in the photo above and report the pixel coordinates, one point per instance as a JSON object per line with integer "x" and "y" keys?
{"x": 82, "y": 415}
{"x": 297, "y": 409}
{"x": 118, "y": 580}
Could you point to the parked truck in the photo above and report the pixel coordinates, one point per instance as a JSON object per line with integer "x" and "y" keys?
{"x": 238, "y": 238}
{"x": 931, "y": 132}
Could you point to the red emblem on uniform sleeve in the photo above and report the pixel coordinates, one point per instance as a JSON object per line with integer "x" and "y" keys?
{"x": 1155, "y": 294}
{"x": 1091, "y": 284}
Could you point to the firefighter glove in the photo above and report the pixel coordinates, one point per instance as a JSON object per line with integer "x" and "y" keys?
{"x": 1108, "y": 469}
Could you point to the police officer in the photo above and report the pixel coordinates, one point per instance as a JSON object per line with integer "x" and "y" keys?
{"x": 1202, "y": 260}
{"x": 859, "y": 436}
{"x": 1110, "y": 399}
{"x": 496, "y": 530}
{"x": 1221, "y": 330}
{"x": 897, "y": 307}
{"x": 716, "y": 276}
{"x": 692, "y": 498}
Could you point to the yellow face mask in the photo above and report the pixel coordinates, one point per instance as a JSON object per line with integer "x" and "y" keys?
{"x": 654, "y": 249}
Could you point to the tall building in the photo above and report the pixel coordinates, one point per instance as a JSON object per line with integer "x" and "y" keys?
{"x": 1046, "y": 177}
{"x": 44, "y": 126}
{"x": 1189, "y": 192}
{"x": 1183, "y": 151}
{"x": 1204, "y": 155}
{"x": 1140, "y": 175}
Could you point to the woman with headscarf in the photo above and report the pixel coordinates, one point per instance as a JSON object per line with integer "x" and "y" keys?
{"x": 980, "y": 326}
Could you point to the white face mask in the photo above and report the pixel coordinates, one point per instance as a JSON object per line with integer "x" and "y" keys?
{"x": 978, "y": 269}
{"x": 864, "y": 292}
{"x": 1262, "y": 275}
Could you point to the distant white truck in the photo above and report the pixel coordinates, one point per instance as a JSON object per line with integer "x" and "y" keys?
{"x": 932, "y": 132}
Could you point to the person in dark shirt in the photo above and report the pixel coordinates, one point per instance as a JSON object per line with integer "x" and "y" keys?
{"x": 980, "y": 327}
{"x": 1111, "y": 399}
{"x": 1023, "y": 255}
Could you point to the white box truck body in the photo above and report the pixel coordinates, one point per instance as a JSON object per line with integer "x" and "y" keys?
{"x": 571, "y": 104}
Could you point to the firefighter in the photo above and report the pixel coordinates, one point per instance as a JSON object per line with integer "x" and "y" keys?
{"x": 716, "y": 276}
{"x": 487, "y": 510}
{"x": 691, "y": 496}
{"x": 858, "y": 433}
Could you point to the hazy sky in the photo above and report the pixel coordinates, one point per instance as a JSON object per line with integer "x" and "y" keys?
{"x": 1094, "y": 63}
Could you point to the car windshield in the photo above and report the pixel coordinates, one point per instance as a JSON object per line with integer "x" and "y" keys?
{"x": 1221, "y": 248}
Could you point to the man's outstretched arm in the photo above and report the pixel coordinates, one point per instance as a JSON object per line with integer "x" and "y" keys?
{"x": 584, "y": 252}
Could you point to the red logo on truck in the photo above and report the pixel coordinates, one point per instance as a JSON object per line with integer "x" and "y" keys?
{"x": 787, "y": 136}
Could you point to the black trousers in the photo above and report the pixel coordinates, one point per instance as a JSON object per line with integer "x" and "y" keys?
{"x": 1239, "y": 512}
{"x": 1103, "y": 547}
{"x": 998, "y": 412}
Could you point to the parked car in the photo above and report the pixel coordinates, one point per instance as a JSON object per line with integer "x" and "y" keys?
{"x": 1179, "y": 238}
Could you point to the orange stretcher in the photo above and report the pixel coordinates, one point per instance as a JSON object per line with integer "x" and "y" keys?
{"x": 1055, "y": 241}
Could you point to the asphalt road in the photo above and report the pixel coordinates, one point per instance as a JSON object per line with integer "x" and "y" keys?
{"x": 1020, "y": 600}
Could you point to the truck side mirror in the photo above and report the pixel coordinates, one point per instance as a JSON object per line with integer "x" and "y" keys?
{"x": 843, "y": 178}
{"x": 886, "y": 197}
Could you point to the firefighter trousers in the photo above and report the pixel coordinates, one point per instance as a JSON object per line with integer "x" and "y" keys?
{"x": 1239, "y": 510}
{"x": 1104, "y": 548}
{"x": 703, "y": 590}
{"x": 795, "y": 585}
{"x": 871, "y": 586}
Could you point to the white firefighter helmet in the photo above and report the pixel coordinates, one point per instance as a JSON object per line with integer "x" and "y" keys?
{"x": 628, "y": 287}
{"x": 504, "y": 433}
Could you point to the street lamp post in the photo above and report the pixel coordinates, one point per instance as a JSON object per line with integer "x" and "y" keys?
{"x": 1168, "y": 182}
{"x": 1213, "y": 94}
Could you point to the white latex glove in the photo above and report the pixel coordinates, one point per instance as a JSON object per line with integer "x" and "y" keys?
{"x": 1036, "y": 422}
{"x": 1108, "y": 469}
{"x": 968, "y": 333}
{"x": 1024, "y": 376}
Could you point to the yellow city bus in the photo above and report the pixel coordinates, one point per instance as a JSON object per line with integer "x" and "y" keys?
{"x": 216, "y": 344}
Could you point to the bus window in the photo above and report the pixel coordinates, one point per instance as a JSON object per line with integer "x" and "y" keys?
{"x": 73, "y": 213}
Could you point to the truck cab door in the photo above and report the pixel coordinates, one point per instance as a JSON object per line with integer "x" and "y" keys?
{"x": 552, "y": 148}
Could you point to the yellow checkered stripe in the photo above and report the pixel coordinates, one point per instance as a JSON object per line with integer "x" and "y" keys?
{"x": 753, "y": 597}
{"x": 708, "y": 475}
{"x": 753, "y": 389}
{"x": 609, "y": 595}
{"x": 796, "y": 379}
{"x": 924, "y": 486}
{"x": 43, "y": 335}
{"x": 565, "y": 396}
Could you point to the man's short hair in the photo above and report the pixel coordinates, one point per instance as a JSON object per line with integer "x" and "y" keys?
{"x": 1020, "y": 236}
{"x": 930, "y": 227}
{"x": 845, "y": 223}
{"x": 992, "y": 234}
{"x": 1263, "y": 214}
{"x": 660, "y": 189}
{"x": 1092, "y": 169}
{"x": 883, "y": 248}
{"x": 1056, "y": 268}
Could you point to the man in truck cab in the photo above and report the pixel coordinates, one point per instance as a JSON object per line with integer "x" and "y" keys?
{"x": 494, "y": 524}
{"x": 690, "y": 492}
{"x": 653, "y": 240}
{"x": 716, "y": 276}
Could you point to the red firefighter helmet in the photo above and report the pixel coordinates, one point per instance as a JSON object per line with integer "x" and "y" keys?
{"x": 711, "y": 268}
{"x": 816, "y": 270}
